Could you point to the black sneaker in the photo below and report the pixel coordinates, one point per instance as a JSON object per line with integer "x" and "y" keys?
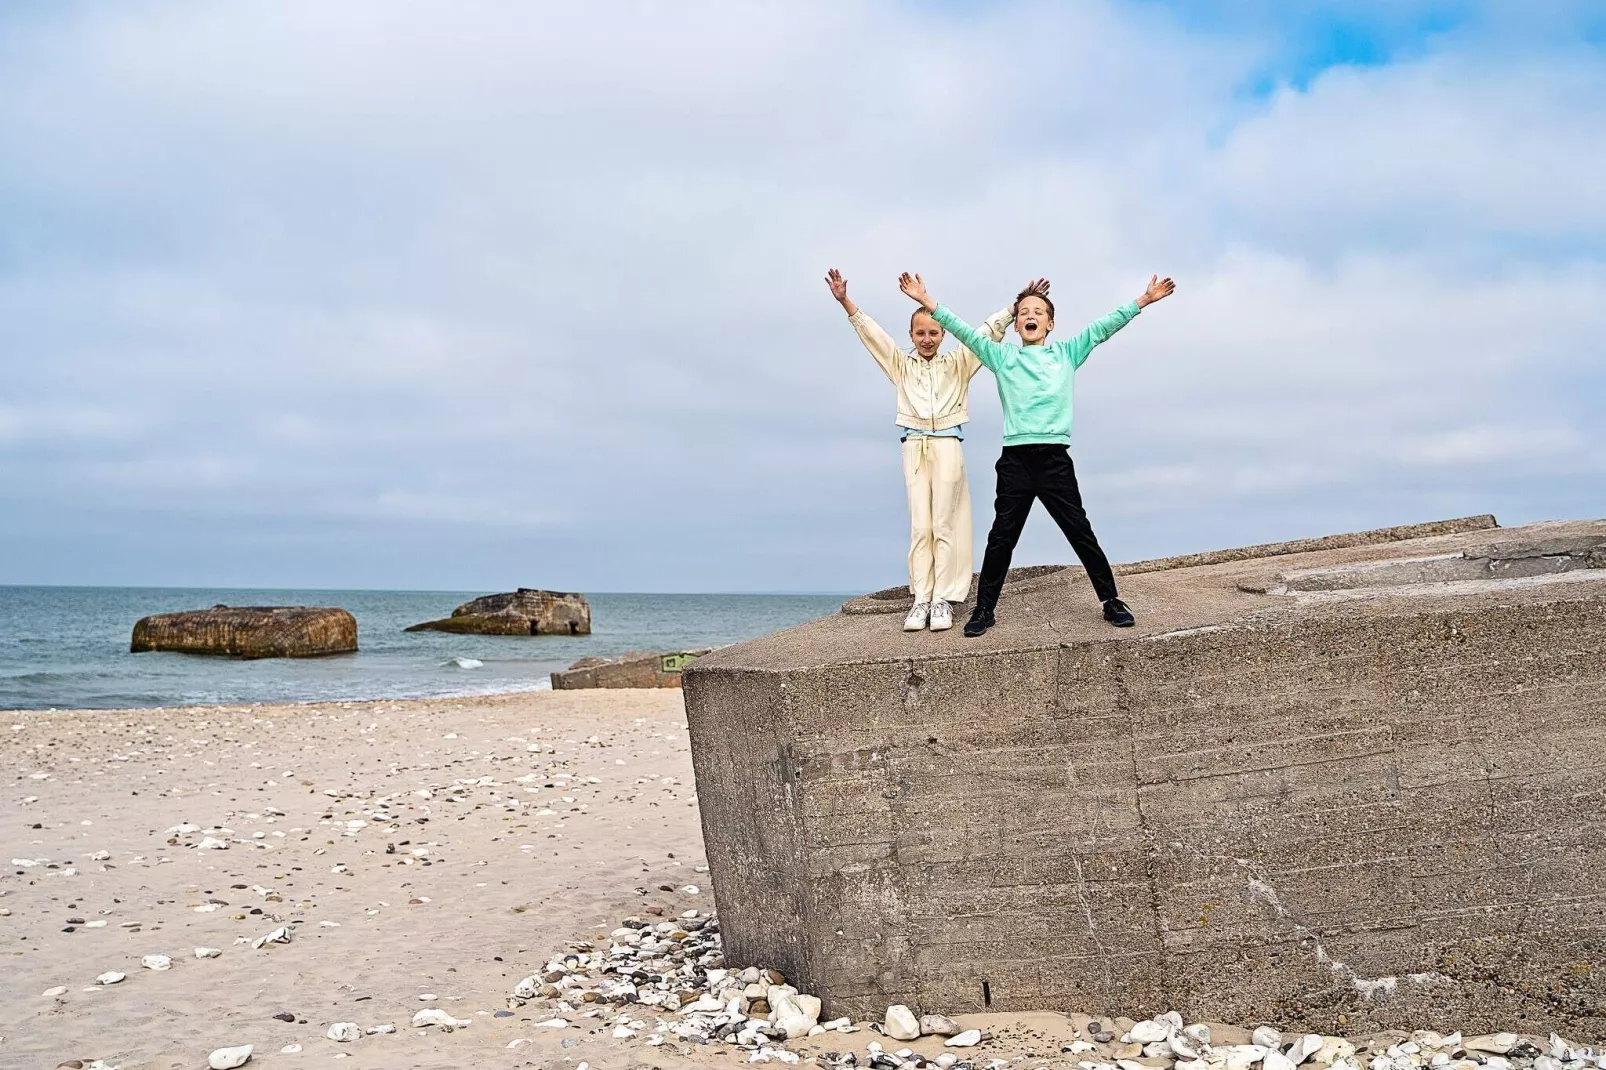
{"x": 1116, "y": 613}
{"x": 979, "y": 622}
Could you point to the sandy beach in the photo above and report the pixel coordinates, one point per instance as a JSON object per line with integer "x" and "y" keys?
{"x": 420, "y": 854}
{"x": 432, "y": 848}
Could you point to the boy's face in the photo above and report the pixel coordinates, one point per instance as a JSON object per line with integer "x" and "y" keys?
{"x": 926, "y": 333}
{"x": 1032, "y": 321}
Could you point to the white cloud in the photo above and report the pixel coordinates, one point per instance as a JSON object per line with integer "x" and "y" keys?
{"x": 554, "y": 271}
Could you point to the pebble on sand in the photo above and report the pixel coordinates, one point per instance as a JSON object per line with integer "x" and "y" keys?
{"x": 228, "y": 1058}
{"x": 156, "y": 962}
{"x": 110, "y": 977}
{"x": 344, "y": 1032}
{"x": 968, "y": 1039}
{"x": 435, "y": 1016}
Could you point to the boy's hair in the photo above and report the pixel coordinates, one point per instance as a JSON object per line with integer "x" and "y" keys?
{"x": 1024, "y": 294}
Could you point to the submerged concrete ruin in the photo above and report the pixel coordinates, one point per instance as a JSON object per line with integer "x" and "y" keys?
{"x": 1353, "y": 777}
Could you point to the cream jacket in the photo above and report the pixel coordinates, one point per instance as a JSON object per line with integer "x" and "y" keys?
{"x": 932, "y": 394}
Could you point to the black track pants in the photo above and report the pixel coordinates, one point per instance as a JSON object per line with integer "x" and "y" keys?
{"x": 1042, "y": 473}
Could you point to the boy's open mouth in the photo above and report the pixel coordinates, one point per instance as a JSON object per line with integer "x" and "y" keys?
{"x": 1030, "y": 325}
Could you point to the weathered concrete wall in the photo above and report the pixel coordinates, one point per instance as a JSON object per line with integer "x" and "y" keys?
{"x": 1386, "y": 808}
{"x": 637, "y": 669}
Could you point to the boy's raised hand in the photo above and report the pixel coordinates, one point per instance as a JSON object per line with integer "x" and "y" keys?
{"x": 1158, "y": 290}
{"x": 1036, "y": 286}
{"x": 915, "y": 287}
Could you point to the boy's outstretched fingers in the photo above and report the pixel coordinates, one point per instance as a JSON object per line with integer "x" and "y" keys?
{"x": 1158, "y": 288}
{"x": 1037, "y": 286}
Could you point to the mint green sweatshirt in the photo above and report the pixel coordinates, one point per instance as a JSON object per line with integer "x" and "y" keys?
{"x": 1034, "y": 382}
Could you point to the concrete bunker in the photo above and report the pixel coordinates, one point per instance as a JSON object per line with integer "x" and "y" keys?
{"x": 1354, "y": 775}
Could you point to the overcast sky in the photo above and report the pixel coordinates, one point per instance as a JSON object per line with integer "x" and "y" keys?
{"x": 472, "y": 295}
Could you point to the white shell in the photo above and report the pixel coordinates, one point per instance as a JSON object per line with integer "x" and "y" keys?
{"x": 282, "y": 935}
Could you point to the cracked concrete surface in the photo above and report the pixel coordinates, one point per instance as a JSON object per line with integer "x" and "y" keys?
{"x": 1376, "y": 802}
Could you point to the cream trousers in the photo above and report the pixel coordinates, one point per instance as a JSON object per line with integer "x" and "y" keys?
{"x": 939, "y": 518}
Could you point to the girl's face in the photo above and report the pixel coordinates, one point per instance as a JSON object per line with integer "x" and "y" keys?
{"x": 926, "y": 333}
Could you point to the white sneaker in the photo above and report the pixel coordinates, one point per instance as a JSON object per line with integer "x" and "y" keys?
{"x": 942, "y": 616}
{"x": 916, "y": 620}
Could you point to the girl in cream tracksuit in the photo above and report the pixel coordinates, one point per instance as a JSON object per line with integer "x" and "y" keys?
{"x": 933, "y": 406}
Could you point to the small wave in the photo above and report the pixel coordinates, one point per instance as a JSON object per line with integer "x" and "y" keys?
{"x": 466, "y": 663}
{"x": 37, "y": 678}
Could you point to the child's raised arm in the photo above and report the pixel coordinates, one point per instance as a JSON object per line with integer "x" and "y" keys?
{"x": 1102, "y": 328}
{"x": 877, "y": 341}
{"x": 986, "y": 350}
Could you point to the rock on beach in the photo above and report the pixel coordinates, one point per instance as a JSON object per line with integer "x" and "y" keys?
{"x": 526, "y": 611}
{"x": 249, "y": 632}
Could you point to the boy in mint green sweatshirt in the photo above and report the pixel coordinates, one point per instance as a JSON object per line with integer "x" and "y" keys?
{"x": 1035, "y": 382}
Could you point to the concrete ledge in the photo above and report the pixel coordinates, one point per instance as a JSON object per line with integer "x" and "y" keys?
{"x": 1376, "y": 803}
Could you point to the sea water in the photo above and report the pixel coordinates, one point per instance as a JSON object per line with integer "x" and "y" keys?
{"x": 67, "y": 647}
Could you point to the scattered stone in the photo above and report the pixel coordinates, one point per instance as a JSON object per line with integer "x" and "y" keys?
{"x": 290, "y": 1049}
{"x": 1267, "y": 1037}
{"x": 375, "y": 1030}
{"x": 344, "y": 1032}
{"x": 936, "y": 1025}
{"x": 52, "y": 993}
{"x": 437, "y": 1017}
{"x": 1333, "y": 1050}
{"x": 208, "y": 952}
{"x": 968, "y": 1039}
{"x": 228, "y": 1058}
{"x": 1149, "y": 1032}
{"x": 110, "y": 977}
{"x": 900, "y": 1023}
{"x": 1304, "y": 1048}
{"x": 1276, "y": 1060}
{"x": 156, "y": 962}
